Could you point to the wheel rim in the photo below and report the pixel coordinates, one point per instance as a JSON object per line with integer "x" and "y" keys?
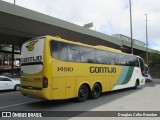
{"x": 83, "y": 93}
{"x": 17, "y": 87}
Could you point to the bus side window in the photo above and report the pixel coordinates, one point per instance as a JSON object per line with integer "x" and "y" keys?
{"x": 87, "y": 54}
{"x": 136, "y": 64}
{"x": 122, "y": 59}
{"x": 64, "y": 52}
{"x": 112, "y": 58}
{"x": 102, "y": 57}
{"x": 55, "y": 49}
{"x": 129, "y": 60}
{"x": 59, "y": 50}
{"x": 73, "y": 53}
{"x": 116, "y": 57}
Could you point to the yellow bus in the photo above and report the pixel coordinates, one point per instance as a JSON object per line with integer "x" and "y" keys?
{"x": 53, "y": 68}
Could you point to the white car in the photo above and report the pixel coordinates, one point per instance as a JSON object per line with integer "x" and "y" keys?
{"x": 148, "y": 78}
{"x": 7, "y": 83}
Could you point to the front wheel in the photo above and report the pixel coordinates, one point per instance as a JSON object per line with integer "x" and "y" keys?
{"x": 17, "y": 87}
{"x": 136, "y": 84}
{"x": 82, "y": 93}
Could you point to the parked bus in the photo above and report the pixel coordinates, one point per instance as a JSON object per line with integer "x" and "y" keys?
{"x": 53, "y": 68}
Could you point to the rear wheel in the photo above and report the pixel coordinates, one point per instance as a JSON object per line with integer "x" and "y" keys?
{"x": 96, "y": 91}
{"x": 17, "y": 87}
{"x": 82, "y": 93}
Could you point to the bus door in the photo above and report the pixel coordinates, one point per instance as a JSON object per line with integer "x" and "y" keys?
{"x": 70, "y": 87}
{"x": 58, "y": 84}
{"x": 63, "y": 87}
{"x": 142, "y": 66}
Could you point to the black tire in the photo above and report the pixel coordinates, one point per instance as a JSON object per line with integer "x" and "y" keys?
{"x": 83, "y": 93}
{"x": 17, "y": 87}
{"x": 136, "y": 84}
{"x": 96, "y": 91}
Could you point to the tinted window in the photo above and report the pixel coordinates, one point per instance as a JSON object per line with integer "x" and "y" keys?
{"x": 117, "y": 58}
{"x": 74, "y": 53}
{"x": 55, "y": 49}
{"x": 129, "y": 61}
{"x": 135, "y": 62}
{"x": 102, "y": 57}
{"x": 64, "y": 51}
{"x": 122, "y": 59}
{"x": 145, "y": 75}
{"x": 112, "y": 59}
{"x": 87, "y": 54}
{"x": 4, "y": 79}
{"x": 59, "y": 50}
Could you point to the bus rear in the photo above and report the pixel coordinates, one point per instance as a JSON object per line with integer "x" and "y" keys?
{"x": 34, "y": 80}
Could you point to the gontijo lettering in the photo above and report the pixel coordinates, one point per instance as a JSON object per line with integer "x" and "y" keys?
{"x": 102, "y": 69}
{"x": 31, "y": 59}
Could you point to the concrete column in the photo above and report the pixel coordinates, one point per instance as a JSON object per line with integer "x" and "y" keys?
{"x": 12, "y": 59}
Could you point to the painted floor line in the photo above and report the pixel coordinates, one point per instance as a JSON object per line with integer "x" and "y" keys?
{"x": 18, "y": 104}
{"x": 9, "y": 93}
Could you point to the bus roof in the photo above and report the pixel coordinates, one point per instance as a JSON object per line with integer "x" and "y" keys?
{"x": 57, "y": 38}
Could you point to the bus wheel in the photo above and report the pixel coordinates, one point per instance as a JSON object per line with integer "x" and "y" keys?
{"x": 82, "y": 93}
{"x": 136, "y": 84}
{"x": 96, "y": 91}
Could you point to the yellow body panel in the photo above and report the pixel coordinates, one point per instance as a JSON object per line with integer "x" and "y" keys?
{"x": 58, "y": 87}
{"x": 80, "y": 75}
{"x": 65, "y": 84}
